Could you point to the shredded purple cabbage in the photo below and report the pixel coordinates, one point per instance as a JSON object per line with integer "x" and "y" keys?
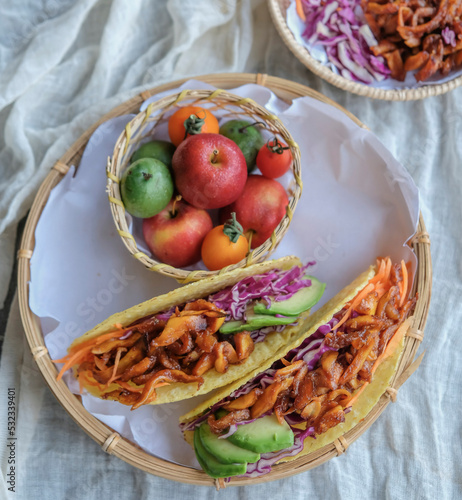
{"x": 339, "y": 27}
{"x": 277, "y": 285}
{"x": 260, "y": 335}
{"x": 165, "y": 315}
{"x": 449, "y": 36}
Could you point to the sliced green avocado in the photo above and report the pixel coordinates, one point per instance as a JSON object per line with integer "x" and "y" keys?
{"x": 264, "y": 435}
{"x": 300, "y": 301}
{"x": 255, "y": 322}
{"x": 211, "y": 465}
{"x": 223, "y": 450}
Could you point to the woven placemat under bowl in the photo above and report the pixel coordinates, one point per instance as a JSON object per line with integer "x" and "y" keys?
{"x": 110, "y": 441}
{"x": 144, "y": 125}
{"x": 278, "y": 9}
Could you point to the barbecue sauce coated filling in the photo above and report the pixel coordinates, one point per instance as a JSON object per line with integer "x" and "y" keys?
{"x": 362, "y": 336}
{"x": 154, "y": 352}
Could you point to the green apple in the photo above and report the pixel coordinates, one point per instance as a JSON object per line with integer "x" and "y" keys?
{"x": 159, "y": 150}
{"x": 146, "y": 187}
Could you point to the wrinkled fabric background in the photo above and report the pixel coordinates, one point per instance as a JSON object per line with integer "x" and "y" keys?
{"x": 63, "y": 64}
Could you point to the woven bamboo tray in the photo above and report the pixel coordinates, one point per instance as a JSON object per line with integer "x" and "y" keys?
{"x": 143, "y": 126}
{"x": 112, "y": 442}
{"x": 278, "y": 10}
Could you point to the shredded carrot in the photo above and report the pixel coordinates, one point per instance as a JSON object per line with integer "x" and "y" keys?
{"x": 78, "y": 353}
{"x": 299, "y": 9}
{"x": 367, "y": 289}
{"x": 405, "y": 283}
{"x": 71, "y": 361}
{"x": 389, "y": 350}
{"x": 387, "y": 269}
{"x": 380, "y": 271}
{"x": 91, "y": 343}
{"x": 285, "y": 362}
{"x": 120, "y": 350}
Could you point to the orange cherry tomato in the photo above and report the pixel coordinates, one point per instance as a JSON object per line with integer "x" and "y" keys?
{"x": 200, "y": 121}
{"x": 224, "y": 245}
{"x": 274, "y": 159}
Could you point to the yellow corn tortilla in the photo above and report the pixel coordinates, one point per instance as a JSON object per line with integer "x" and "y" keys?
{"x": 317, "y": 319}
{"x": 366, "y": 400}
{"x": 360, "y": 409}
{"x": 274, "y": 341}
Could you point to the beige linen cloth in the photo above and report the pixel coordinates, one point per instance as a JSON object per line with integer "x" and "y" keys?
{"x": 63, "y": 64}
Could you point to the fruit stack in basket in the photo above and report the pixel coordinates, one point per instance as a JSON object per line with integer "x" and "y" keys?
{"x": 211, "y": 192}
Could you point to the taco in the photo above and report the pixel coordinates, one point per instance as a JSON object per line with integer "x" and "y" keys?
{"x": 313, "y": 390}
{"x": 196, "y": 338}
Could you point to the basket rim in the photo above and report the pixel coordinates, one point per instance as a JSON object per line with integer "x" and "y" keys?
{"x": 133, "y": 132}
{"x": 319, "y": 69}
{"x": 99, "y": 432}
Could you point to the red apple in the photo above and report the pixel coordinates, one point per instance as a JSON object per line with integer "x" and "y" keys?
{"x": 259, "y": 208}
{"x": 175, "y": 235}
{"x": 210, "y": 170}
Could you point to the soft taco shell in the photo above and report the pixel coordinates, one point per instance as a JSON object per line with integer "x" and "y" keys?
{"x": 263, "y": 351}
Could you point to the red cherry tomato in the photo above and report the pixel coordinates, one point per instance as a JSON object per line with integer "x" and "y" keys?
{"x": 201, "y": 120}
{"x": 274, "y": 159}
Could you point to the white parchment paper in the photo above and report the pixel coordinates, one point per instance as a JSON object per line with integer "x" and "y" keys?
{"x": 297, "y": 27}
{"x": 358, "y": 202}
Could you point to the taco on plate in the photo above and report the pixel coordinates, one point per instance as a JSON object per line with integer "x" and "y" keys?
{"x": 315, "y": 389}
{"x": 196, "y": 338}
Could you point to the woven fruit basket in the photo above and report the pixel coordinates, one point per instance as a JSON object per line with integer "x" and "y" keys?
{"x": 144, "y": 125}
{"x": 278, "y": 10}
{"x": 112, "y": 442}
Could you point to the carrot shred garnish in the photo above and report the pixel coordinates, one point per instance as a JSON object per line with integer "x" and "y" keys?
{"x": 389, "y": 350}
{"x": 387, "y": 269}
{"x": 78, "y": 352}
{"x": 380, "y": 271}
{"x": 367, "y": 289}
{"x": 71, "y": 361}
{"x": 285, "y": 362}
{"x": 405, "y": 283}
{"x": 299, "y": 9}
{"x": 120, "y": 350}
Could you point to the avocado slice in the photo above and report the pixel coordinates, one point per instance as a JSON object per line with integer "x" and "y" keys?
{"x": 264, "y": 435}
{"x": 300, "y": 301}
{"x": 223, "y": 450}
{"x": 211, "y": 465}
{"x": 255, "y": 322}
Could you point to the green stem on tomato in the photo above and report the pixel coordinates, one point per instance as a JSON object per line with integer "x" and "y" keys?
{"x": 275, "y": 146}
{"x": 193, "y": 125}
{"x": 233, "y": 229}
